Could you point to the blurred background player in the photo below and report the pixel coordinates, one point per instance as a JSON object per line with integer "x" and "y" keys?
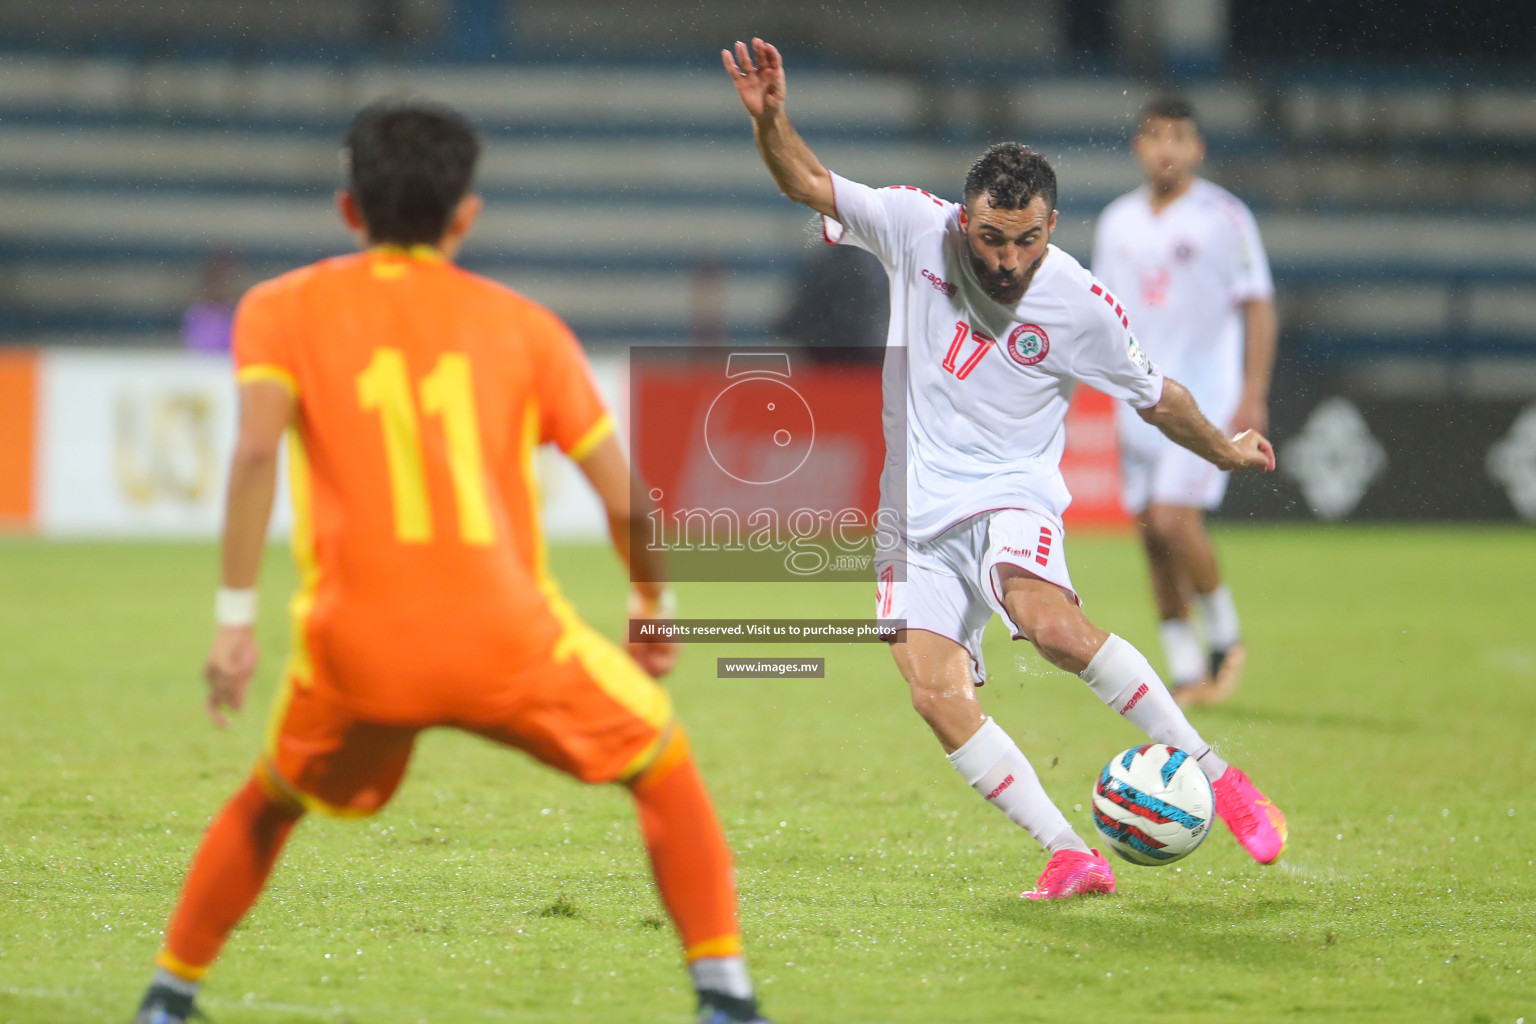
{"x": 208, "y": 321}
{"x": 1184, "y": 256}
{"x": 416, "y": 394}
{"x": 997, "y": 327}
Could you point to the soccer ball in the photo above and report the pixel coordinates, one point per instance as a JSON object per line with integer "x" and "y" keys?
{"x": 1153, "y": 804}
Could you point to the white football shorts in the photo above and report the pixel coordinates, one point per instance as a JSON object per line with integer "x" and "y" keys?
{"x": 950, "y": 585}
{"x": 1158, "y": 472}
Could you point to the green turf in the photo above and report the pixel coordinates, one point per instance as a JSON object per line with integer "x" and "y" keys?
{"x": 1389, "y": 709}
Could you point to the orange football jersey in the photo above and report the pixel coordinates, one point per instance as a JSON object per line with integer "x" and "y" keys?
{"x": 423, "y": 391}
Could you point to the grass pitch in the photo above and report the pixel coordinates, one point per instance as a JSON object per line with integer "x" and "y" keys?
{"x": 1388, "y": 709}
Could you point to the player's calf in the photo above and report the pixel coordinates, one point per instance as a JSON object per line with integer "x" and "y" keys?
{"x": 692, "y": 866}
{"x": 1122, "y": 678}
{"x": 1051, "y": 619}
{"x": 938, "y": 671}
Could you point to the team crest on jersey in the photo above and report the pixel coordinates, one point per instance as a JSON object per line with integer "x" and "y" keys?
{"x": 1028, "y": 344}
{"x": 1183, "y": 251}
{"x": 1133, "y": 349}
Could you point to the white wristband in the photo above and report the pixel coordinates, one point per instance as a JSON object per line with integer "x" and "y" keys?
{"x": 233, "y": 607}
{"x": 663, "y": 607}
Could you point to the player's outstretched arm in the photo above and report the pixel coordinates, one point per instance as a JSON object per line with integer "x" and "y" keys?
{"x": 607, "y": 469}
{"x": 1178, "y": 417}
{"x": 758, "y": 74}
{"x": 266, "y": 409}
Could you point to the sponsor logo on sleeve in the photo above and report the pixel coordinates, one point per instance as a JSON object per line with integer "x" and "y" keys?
{"x": 1028, "y": 344}
{"x": 1133, "y": 349}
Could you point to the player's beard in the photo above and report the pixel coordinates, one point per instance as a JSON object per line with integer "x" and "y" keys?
{"x": 1166, "y": 181}
{"x": 1004, "y": 290}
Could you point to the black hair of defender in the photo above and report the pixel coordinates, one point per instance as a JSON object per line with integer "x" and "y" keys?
{"x": 409, "y": 162}
{"x": 1012, "y": 175}
{"x": 1169, "y": 106}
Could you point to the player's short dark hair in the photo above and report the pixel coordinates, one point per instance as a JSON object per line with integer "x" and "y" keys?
{"x": 408, "y": 164}
{"x": 1167, "y": 105}
{"x": 1011, "y": 174}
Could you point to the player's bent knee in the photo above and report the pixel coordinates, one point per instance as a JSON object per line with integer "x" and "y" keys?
{"x": 1152, "y": 538}
{"x": 671, "y": 750}
{"x": 1161, "y": 525}
{"x": 279, "y": 793}
{"x": 925, "y": 702}
{"x": 935, "y": 701}
{"x": 1175, "y": 526}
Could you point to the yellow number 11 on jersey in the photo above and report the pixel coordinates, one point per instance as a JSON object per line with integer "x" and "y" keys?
{"x": 448, "y": 392}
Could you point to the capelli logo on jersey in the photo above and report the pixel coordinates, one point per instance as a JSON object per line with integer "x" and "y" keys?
{"x": 941, "y": 284}
{"x": 1028, "y": 344}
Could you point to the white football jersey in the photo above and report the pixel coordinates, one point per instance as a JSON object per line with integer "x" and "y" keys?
{"x": 987, "y": 386}
{"x": 1184, "y": 274}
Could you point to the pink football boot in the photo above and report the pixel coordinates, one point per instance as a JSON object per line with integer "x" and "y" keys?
{"x": 1072, "y": 873}
{"x": 1258, "y": 824}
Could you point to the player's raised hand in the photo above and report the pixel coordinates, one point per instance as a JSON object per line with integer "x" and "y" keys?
{"x": 656, "y": 657}
{"x": 1254, "y": 451}
{"x": 758, "y": 74}
{"x": 231, "y": 663}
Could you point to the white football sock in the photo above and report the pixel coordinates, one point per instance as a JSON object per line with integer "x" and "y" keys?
{"x": 724, "y": 974}
{"x": 1181, "y": 649}
{"x": 994, "y": 766}
{"x": 175, "y": 983}
{"x": 1124, "y": 680}
{"x": 1220, "y": 614}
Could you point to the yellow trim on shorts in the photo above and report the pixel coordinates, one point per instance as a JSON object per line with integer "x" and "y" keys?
{"x": 658, "y": 759}
{"x": 168, "y": 961}
{"x": 268, "y": 371}
{"x": 594, "y": 436}
{"x": 300, "y": 665}
{"x": 299, "y": 672}
{"x": 281, "y": 790}
{"x": 275, "y": 716}
{"x": 615, "y": 672}
{"x": 725, "y": 945}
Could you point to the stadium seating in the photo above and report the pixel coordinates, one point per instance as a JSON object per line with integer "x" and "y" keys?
{"x": 631, "y": 198}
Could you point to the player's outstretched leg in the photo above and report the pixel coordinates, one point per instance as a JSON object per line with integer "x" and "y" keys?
{"x": 227, "y": 875}
{"x": 938, "y": 670}
{"x": 1190, "y": 566}
{"x": 692, "y": 865}
{"x": 1186, "y": 659}
{"x": 1122, "y": 678}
